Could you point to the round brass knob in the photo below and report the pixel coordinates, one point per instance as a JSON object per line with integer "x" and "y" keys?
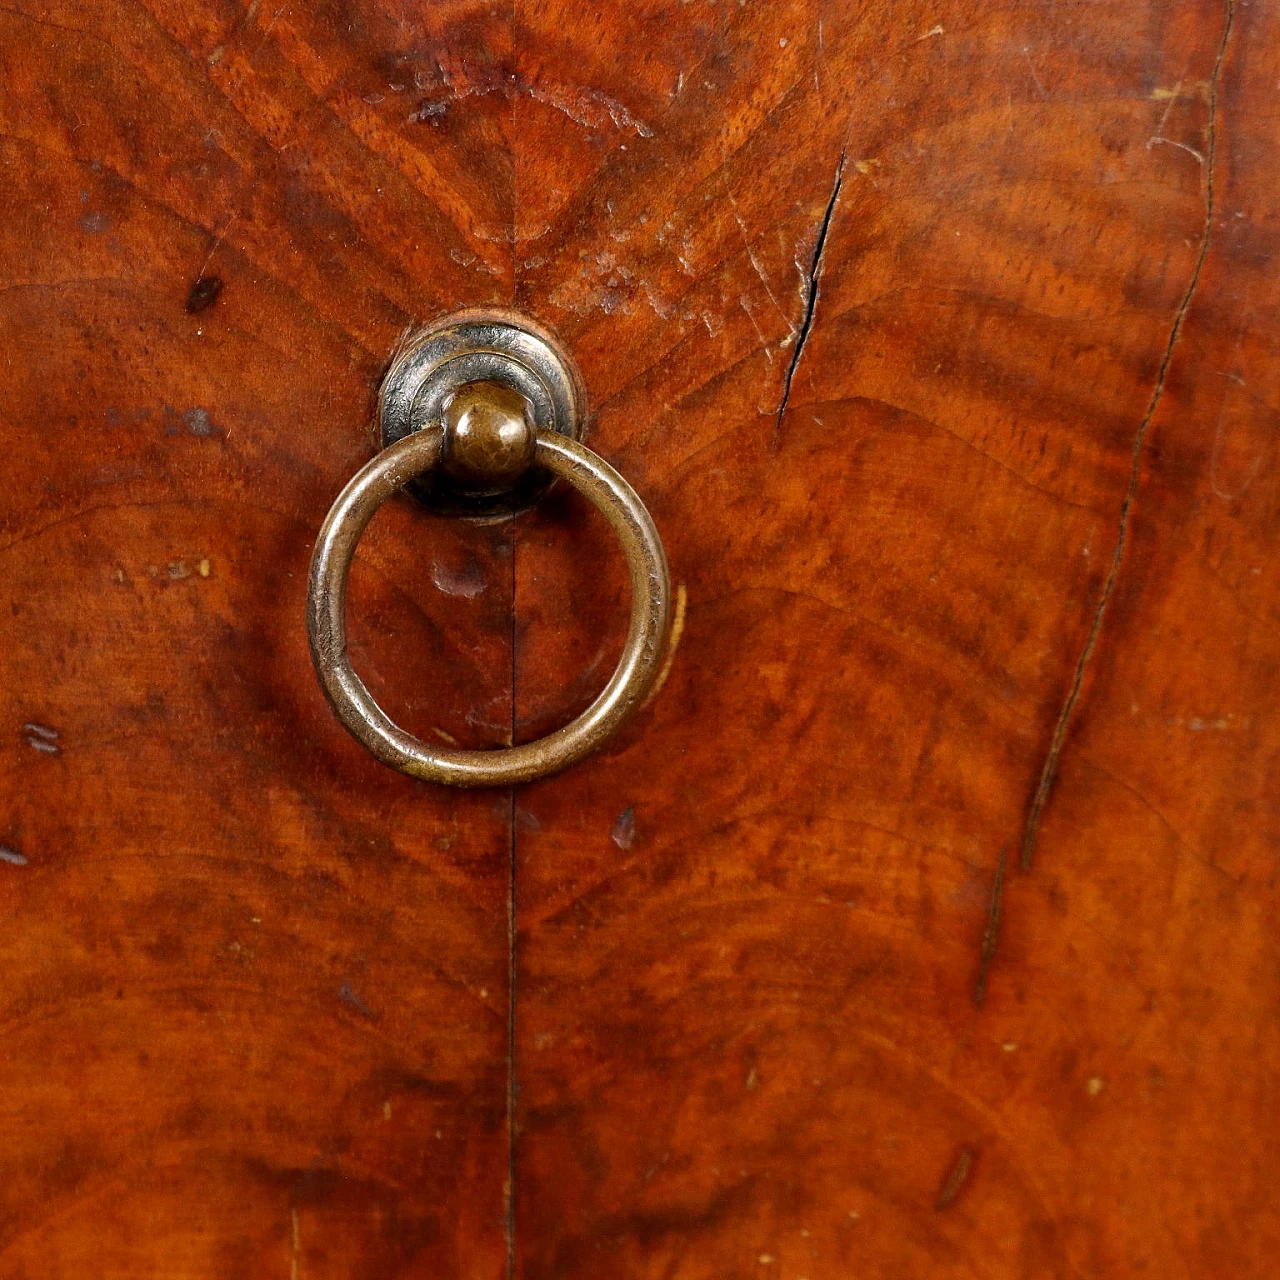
{"x": 489, "y": 436}
{"x": 484, "y": 435}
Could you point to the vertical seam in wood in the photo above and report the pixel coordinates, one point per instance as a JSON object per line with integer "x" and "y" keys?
{"x": 512, "y": 1086}
{"x": 511, "y": 952}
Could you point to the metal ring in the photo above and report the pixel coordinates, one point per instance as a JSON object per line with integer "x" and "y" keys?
{"x": 632, "y": 679}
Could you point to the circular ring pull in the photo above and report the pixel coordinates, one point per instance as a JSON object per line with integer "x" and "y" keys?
{"x": 473, "y": 440}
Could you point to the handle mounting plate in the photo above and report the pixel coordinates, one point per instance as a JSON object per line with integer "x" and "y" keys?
{"x": 479, "y": 346}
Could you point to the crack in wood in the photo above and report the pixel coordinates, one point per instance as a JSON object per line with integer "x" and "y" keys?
{"x": 810, "y": 294}
{"x": 1048, "y": 772}
{"x": 1050, "y": 769}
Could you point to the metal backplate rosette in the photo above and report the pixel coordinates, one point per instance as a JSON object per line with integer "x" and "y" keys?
{"x": 475, "y": 346}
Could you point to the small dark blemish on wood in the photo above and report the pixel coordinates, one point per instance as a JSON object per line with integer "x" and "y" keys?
{"x": 204, "y": 293}
{"x": 348, "y": 996}
{"x": 957, "y": 1177}
{"x": 624, "y": 828}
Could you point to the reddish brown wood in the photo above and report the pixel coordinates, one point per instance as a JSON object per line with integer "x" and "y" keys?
{"x": 922, "y": 925}
{"x": 254, "y": 996}
{"x": 788, "y": 1003}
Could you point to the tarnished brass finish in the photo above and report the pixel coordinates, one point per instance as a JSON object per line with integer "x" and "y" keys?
{"x": 423, "y": 452}
{"x": 463, "y": 349}
{"x": 489, "y": 437}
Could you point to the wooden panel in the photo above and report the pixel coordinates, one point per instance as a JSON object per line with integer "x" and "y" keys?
{"x": 254, "y": 996}
{"x": 922, "y": 928}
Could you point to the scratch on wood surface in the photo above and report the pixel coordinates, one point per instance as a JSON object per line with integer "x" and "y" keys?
{"x": 218, "y": 239}
{"x": 585, "y": 106}
{"x": 1182, "y": 146}
{"x": 1233, "y": 493}
{"x": 1026, "y": 53}
{"x": 588, "y": 107}
{"x": 12, "y": 856}
{"x": 42, "y": 738}
{"x": 751, "y": 257}
{"x": 1169, "y": 98}
{"x": 624, "y": 828}
{"x": 957, "y": 1176}
{"x": 764, "y": 342}
{"x": 810, "y": 286}
{"x": 293, "y": 1257}
{"x": 1049, "y": 772}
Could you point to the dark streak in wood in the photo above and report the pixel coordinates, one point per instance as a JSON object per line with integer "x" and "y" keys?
{"x": 956, "y": 1180}
{"x": 1047, "y": 774}
{"x": 991, "y": 932}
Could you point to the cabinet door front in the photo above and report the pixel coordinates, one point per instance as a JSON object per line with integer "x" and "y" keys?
{"x": 918, "y": 920}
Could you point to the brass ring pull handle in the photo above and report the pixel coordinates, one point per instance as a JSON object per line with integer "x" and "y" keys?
{"x": 486, "y": 439}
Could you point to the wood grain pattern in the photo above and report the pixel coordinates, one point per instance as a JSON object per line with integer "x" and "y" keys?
{"x": 923, "y": 925}
{"x": 255, "y": 996}
{"x": 816, "y": 978}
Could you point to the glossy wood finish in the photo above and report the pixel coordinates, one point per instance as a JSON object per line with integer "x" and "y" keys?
{"x": 254, "y": 997}
{"x": 923, "y": 926}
